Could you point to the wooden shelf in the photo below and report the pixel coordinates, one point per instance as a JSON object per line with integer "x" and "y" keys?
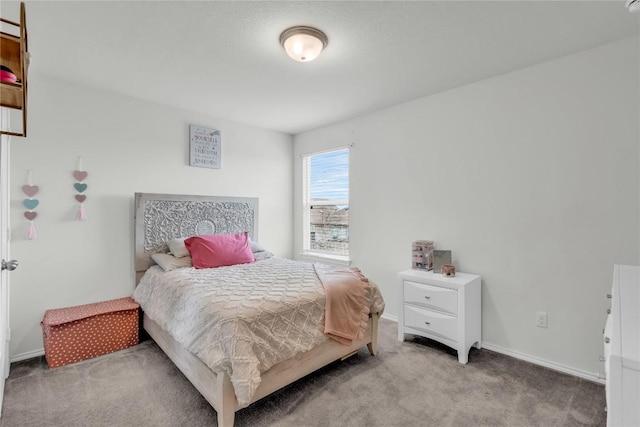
{"x": 15, "y": 56}
{"x": 11, "y": 95}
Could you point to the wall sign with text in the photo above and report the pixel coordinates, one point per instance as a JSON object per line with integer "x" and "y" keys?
{"x": 205, "y": 147}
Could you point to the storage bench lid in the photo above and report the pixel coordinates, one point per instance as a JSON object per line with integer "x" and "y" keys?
{"x": 60, "y": 316}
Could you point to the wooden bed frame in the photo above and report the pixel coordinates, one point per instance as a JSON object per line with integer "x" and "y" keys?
{"x": 161, "y": 217}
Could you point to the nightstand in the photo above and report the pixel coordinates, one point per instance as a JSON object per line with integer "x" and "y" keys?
{"x": 444, "y": 309}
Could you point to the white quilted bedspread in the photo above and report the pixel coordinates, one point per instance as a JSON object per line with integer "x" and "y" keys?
{"x": 241, "y": 319}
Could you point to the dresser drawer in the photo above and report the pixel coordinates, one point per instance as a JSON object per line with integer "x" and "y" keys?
{"x": 431, "y": 322}
{"x": 432, "y": 297}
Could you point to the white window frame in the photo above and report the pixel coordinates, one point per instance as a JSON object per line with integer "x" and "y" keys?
{"x": 307, "y": 252}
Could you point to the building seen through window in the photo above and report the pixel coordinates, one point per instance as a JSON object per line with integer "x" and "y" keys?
{"x": 326, "y": 187}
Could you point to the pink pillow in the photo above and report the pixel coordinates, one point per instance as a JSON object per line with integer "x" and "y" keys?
{"x": 217, "y": 250}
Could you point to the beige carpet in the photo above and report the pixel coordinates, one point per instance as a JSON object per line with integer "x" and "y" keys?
{"x": 415, "y": 383}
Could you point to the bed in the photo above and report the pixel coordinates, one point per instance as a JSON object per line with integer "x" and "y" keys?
{"x": 161, "y": 218}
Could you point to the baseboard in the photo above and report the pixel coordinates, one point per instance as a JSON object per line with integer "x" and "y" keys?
{"x": 486, "y": 345}
{"x": 591, "y": 376}
{"x": 28, "y": 355}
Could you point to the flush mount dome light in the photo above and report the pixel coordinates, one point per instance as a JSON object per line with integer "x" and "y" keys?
{"x": 303, "y": 44}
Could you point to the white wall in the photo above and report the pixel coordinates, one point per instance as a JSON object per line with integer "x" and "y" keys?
{"x": 127, "y": 146}
{"x": 530, "y": 178}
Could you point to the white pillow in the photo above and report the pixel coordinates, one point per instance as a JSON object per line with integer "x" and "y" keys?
{"x": 169, "y": 262}
{"x": 259, "y": 256}
{"x": 256, "y": 247}
{"x": 177, "y": 247}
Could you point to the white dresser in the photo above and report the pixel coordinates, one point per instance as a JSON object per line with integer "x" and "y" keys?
{"x": 622, "y": 348}
{"x": 444, "y": 309}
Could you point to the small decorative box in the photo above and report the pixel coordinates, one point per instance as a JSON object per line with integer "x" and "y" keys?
{"x": 76, "y": 333}
{"x": 448, "y": 270}
{"x": 422, "y": 255}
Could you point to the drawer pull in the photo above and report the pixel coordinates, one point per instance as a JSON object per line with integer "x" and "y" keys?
{"x": 609, "y": 296}
{"x": 607, "y": 340}
{"x": 427, "y": 297}
{"x": 608, "y": 311}
{"x": 602, "y": 359}
{"x": 427, "y": 323}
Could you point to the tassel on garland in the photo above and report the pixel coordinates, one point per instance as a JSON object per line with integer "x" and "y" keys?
{"x": 32, "y": 234}
{"x": 82, "y": 214}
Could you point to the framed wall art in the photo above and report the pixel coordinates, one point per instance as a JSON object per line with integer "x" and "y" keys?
{"x": 205, "y": 147}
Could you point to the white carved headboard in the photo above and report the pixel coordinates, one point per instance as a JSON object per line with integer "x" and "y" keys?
{"x": 162, "y": 217}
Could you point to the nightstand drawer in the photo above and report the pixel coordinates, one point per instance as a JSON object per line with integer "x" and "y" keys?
{"x": 431, "y": 322}
{"x": 433, "y": 297}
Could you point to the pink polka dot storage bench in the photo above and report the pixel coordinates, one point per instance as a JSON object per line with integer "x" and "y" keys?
{"x": 76, "y": 333}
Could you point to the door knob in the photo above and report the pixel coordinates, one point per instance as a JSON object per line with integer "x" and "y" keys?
{"x": 9, "y": 265}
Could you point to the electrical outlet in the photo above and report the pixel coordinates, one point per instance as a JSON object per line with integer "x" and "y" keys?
{"x": 541, "y": 319}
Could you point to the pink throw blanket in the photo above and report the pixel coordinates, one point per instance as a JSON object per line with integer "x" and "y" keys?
{"x": 347, "y": 304}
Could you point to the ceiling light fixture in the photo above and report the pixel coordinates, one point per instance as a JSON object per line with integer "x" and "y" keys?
{"x": 303, "y": 44}
{"x": 633, "y": 5}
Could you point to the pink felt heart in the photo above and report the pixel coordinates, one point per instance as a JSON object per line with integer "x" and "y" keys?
{"x": 80, "y": 197}
{"x": 80, "y": 175}
{"x": 30, "y": 215}
{"x": 30, "y": 190}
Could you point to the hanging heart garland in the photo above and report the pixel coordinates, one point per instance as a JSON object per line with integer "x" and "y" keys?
{"x": 30, "y": 203}
{"x": 80, "y": 187}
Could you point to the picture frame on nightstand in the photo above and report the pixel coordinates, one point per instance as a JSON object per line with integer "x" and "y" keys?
{"x": 440, "y": 258}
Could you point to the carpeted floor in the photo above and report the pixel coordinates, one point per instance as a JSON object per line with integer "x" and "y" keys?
{"x": 415, "y": 383}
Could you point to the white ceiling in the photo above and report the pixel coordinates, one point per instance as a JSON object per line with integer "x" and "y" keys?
{"x": 224, "y": 59}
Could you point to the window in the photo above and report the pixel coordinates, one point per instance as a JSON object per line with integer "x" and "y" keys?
{"x": 326, "y": 203}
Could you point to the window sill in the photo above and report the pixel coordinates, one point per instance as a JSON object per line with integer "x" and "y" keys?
{"x": 325, "y": 258}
